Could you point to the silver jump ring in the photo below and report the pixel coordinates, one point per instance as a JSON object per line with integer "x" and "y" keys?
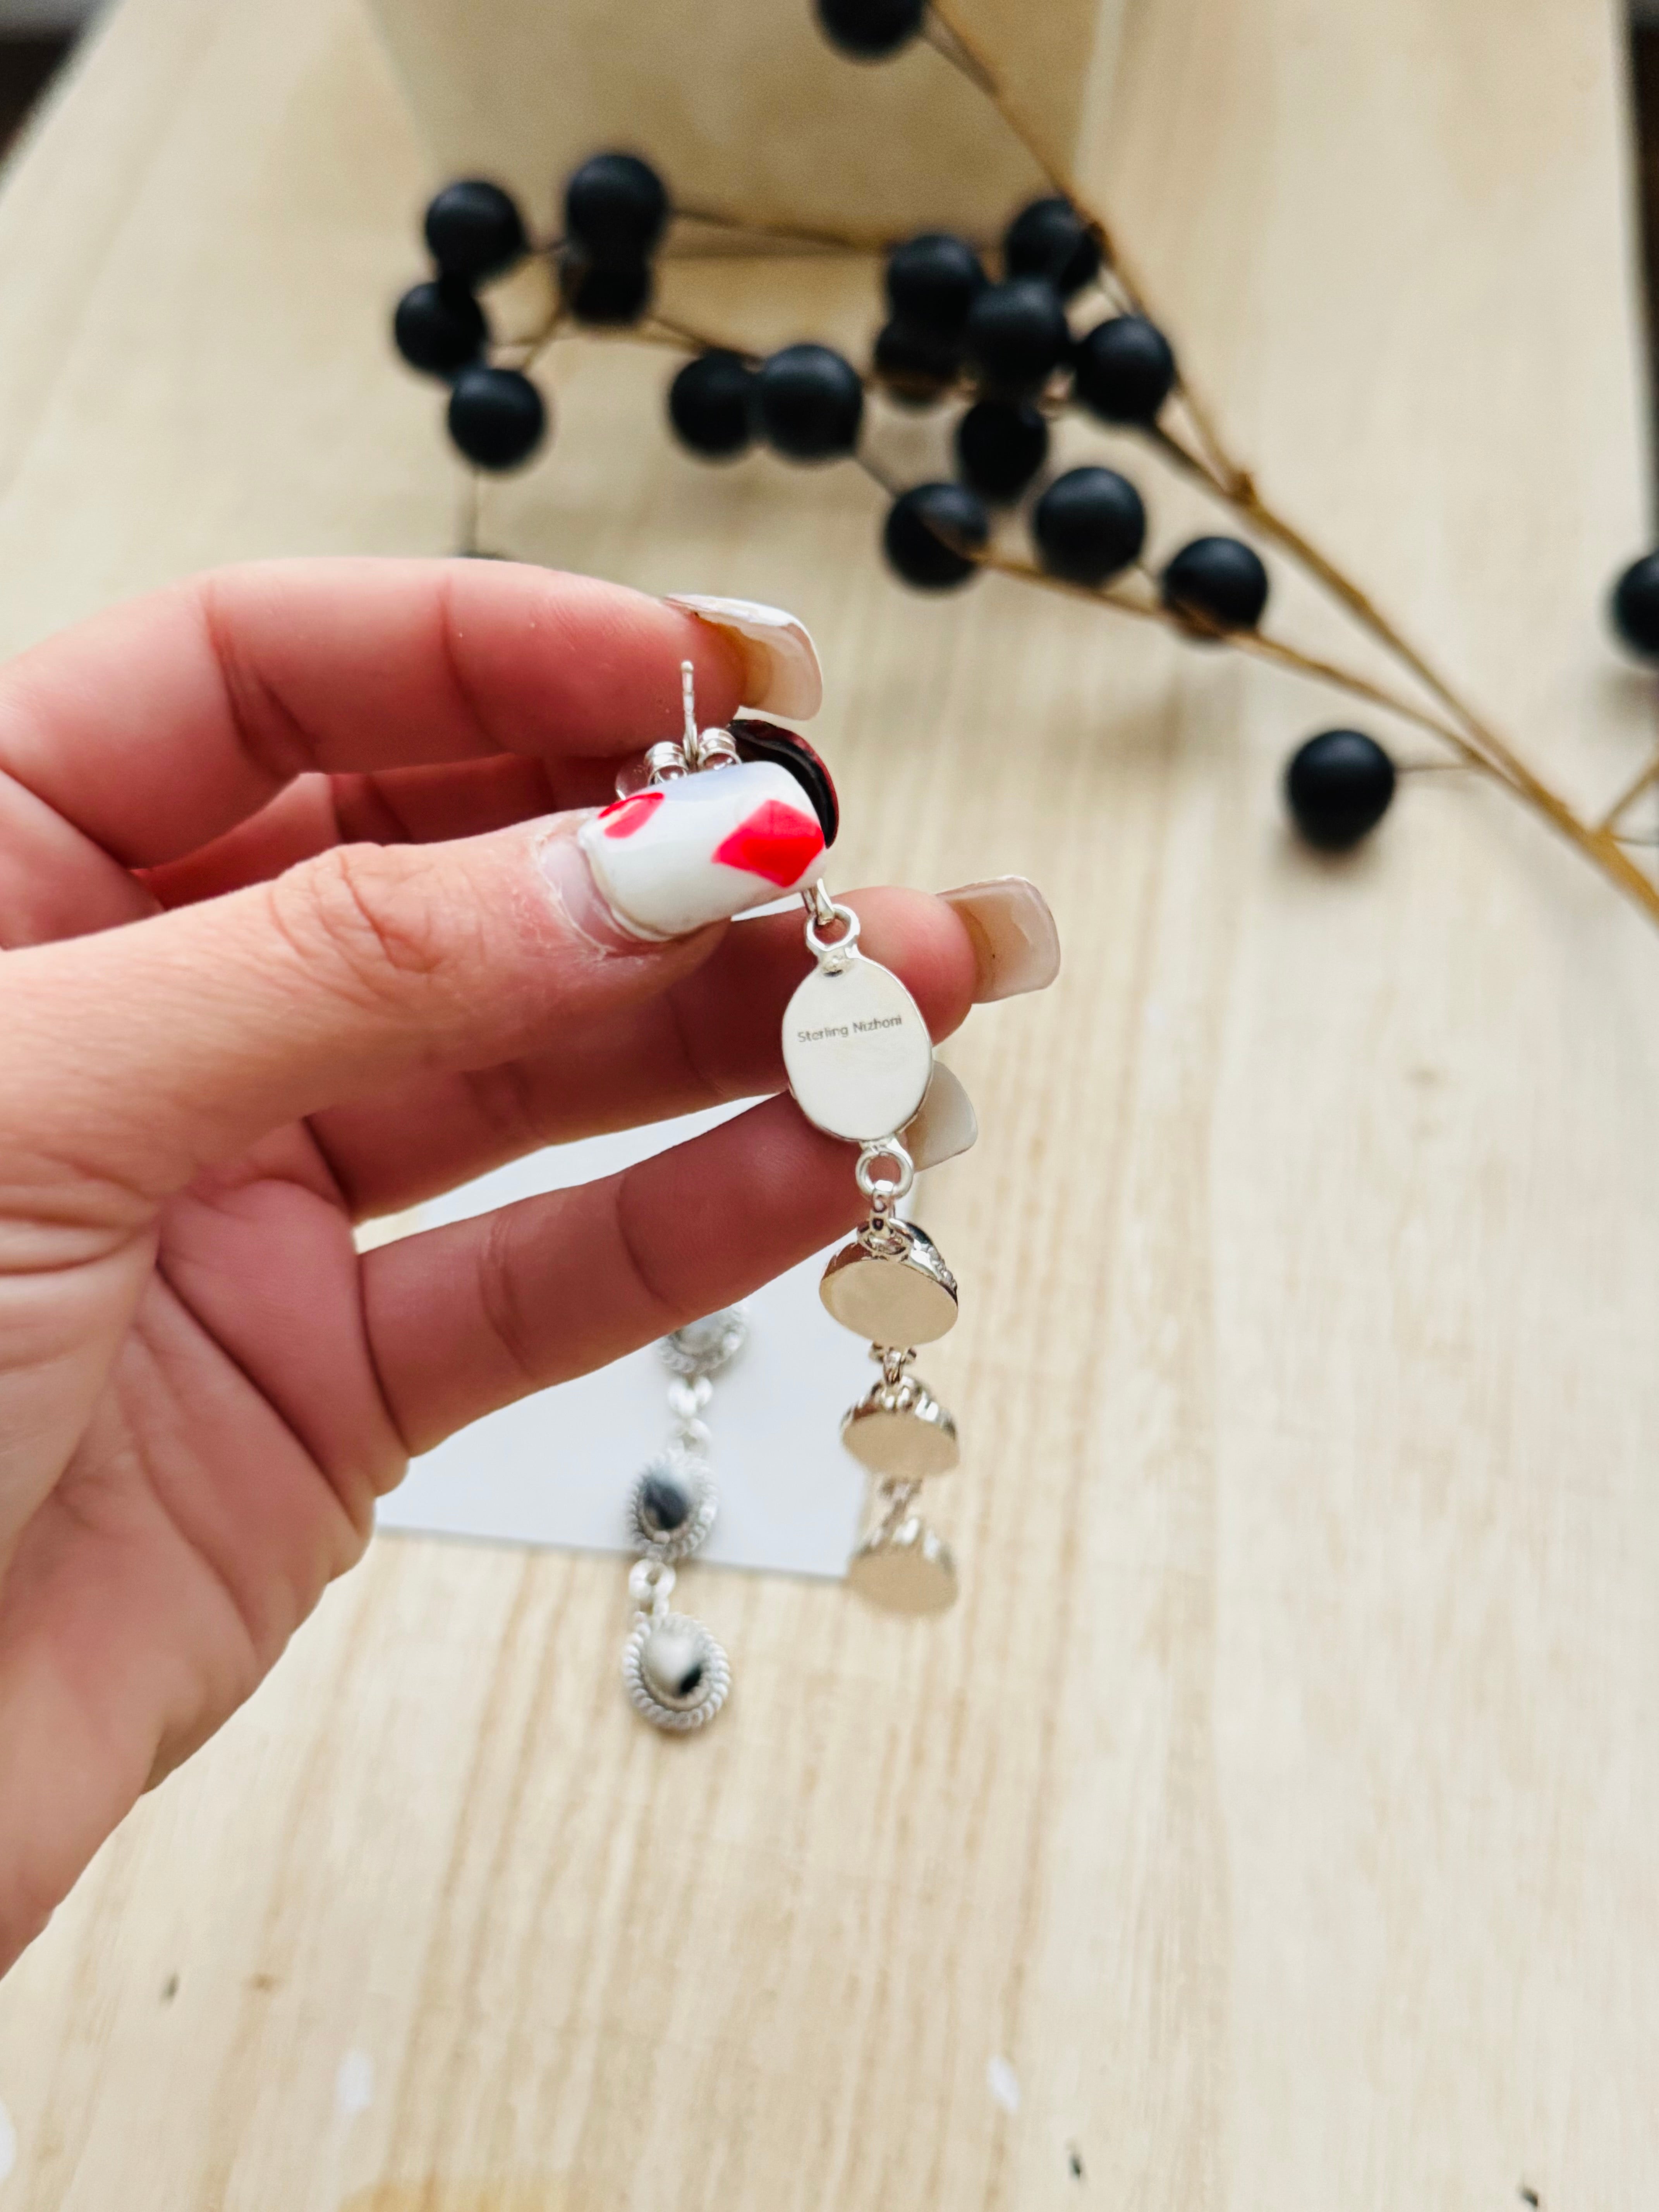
{"x": 651, "y": 1584}
{"x": 828, "y": 948}
{"x": 890, "y": 1187}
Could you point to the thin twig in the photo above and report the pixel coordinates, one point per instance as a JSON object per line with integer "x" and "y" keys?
{"x": 876, "y": 473}
{"x": 544, "y": 337}
{"x": 686, "y": 338}
{"x": 1628, "y": 797}
{"x": 795, "y": 233}
{"x": 1252, "y": 642}
{"x": 1603, "y": 849}
{"x": 1179, "y": 455}
{"x": 943, "y": 39}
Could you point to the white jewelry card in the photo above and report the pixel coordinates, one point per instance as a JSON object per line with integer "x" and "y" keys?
{"x": 558, "y": 1468}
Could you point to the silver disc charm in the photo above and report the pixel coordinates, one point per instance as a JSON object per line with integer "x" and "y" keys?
{"x": 677, "y": 1676}
{"x": 900, "y": 1431}
{"x": 856, "y": 1050}
{"x": 903, "y": 1567}
{"x": 902, "y": 1293}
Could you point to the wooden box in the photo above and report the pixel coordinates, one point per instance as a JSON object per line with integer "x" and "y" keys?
{"x": 743, "y": 106}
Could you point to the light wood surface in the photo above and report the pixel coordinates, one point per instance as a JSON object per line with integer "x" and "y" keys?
{"x": 1272, "y": 1826}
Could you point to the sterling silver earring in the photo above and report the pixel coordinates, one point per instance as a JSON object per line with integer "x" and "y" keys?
{"x": 677, "y": 1677}
{"x": 859, "y": 1060}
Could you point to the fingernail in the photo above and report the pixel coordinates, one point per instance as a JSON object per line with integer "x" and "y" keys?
{"x": 701, "y": 848}
{"x": 946, "y": 1123}
{"x": 563, "y": 867}
{"x": 779, "y": 659}
{"x": 1015, "y": 941}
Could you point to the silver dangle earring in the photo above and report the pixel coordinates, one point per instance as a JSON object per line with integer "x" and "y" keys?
{"x": 859, "y": 1060}
{"x": 676, "y": 1676}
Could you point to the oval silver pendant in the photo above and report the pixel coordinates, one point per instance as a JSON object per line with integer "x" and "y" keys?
{"x": 901, "y": 1432}
{"x": 856, "y": 1051}
{"x": 905, "y": 1297}
{"x": 904, "y": 1567}
{"x": 677, "y": 1675}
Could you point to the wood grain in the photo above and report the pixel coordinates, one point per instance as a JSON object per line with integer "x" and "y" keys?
{"x": 1278, "y": 1806}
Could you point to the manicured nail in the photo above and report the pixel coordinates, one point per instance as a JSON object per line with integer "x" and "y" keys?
{"x": 564, "y": 867}
{"x": 779, "y": 659}
{"x": 946, "y": 1123}
{"x": 701, "y": 848}
{"x": 1015, "y": 941}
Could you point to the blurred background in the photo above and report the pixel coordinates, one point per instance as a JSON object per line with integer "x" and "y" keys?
{"x": 39, "y": 37}
{"x": 36, "y": 39}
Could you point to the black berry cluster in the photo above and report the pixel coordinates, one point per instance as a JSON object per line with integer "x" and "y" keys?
{"x": 614, "y": 212}
{"x": 1010, "y": 348}
{"x": 1000, "y": 346}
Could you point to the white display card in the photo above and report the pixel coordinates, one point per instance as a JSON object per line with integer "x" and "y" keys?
{"x": 557, "y": 1468}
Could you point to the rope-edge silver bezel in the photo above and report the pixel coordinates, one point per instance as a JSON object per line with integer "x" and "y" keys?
{"x": 675, "y": 1720}
{"x": 690, "y": 1365}
{"x": 693, "y": 1474}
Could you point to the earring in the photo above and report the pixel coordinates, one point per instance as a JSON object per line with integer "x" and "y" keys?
{"x": 676, "y": 1676}
{"x": 860, "y": 1059}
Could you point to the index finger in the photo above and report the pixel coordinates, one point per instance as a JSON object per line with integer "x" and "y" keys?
{"x": 161, "y": 724}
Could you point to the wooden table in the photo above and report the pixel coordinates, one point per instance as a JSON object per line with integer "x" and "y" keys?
{"x": 1272, "y": 1825}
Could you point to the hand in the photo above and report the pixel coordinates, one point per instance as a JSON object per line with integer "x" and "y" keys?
{"x": 249, "y": 999}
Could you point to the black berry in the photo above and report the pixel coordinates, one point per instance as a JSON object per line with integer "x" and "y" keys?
{"x": 786, "y": 749}
{"x": 1635, "y": 606}
{"x": 932, "y": 532}
{"x": 474, "y": 230}
{"x": 496, "y": 416}
{"x": 1088, "y": 524}
{"x": 1338, "y": 786}
{"x": 1016, "y": 335}
{"x": 1220, "y": 581}
{"x": 1000, "y": 446}
{"x": 1050, "y": 240}
{"x": 439, "y": 327}
{"x": 1123, "y": 370}
{"x": 870, "y": 30}
{"x": 615, "y": 207}
{"x": 810, "y": 403}
{"x": 711, "y": 404}
{"x": 605, "y": 293}
{"x": 914, "y": 366}
{"x": 933, "y": 281}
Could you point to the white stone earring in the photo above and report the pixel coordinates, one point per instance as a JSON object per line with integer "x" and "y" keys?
{"x": 677, "y": 1676}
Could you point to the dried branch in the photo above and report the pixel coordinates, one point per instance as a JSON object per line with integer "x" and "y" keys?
{"x": 1628, "y": 797}
{"x": 818, "y": 235}
{"x": 1206, "y": 460}
{"x": 1469, "y": 732}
